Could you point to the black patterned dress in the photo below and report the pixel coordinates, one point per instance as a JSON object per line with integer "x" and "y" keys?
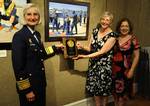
{"x": 99, "y": 74}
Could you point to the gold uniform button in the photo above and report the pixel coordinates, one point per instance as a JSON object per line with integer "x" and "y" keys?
{"x": 42, "y": 60}
{"x": 41, "y": 50}
{"x": 43, "y": 69}
{"x": 30, "y": 74}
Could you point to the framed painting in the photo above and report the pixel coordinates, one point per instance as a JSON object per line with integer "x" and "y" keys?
{"x": 66, "y": 19}
{"x": 10, "y": 15}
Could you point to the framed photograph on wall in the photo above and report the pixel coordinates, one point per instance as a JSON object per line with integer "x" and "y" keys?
{"x": 10, "y": 16}
{"x": 66, "y": 19}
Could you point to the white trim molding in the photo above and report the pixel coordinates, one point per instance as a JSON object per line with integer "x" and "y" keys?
{"x": 86, "y": 102}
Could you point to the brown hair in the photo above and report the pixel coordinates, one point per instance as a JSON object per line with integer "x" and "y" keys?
{"x": 120, "y": 22}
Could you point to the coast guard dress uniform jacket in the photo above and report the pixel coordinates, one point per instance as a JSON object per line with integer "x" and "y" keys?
{"x": 28, "y": 54}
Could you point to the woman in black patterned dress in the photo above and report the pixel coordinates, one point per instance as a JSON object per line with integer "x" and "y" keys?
{"x": 99, "y": 81}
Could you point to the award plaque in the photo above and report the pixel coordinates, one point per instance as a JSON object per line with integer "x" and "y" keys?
{"x": 70, "y": 49}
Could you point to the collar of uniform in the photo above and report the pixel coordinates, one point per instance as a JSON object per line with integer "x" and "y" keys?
{"x": 32, "y": 31}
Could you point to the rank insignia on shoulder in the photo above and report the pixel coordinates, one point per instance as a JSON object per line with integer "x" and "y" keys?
{"x": 23, "y": 84}
{"x": 49, "y": 50}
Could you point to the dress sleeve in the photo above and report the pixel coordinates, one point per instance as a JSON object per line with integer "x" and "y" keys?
{"x": 95, "y": 32}
{"x": 113, "y": 34}
{"x": 135, "y": 42}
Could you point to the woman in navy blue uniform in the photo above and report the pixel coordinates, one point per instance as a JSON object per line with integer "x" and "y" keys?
{"x": 28, "y": 55}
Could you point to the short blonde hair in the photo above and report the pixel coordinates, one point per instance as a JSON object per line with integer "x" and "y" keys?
{"x": 108, "y": 14}
{"x": 26, "y": 8}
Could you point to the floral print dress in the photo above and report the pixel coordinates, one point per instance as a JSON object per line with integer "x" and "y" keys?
{"x": 99, "y": 74}
{"x": 121, "y": 65}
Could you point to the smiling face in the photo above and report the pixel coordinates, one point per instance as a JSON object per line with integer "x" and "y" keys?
{"x": 32, "y": 17}
{"x": 105, "y": 22}
{"x": 124, "y": 28}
